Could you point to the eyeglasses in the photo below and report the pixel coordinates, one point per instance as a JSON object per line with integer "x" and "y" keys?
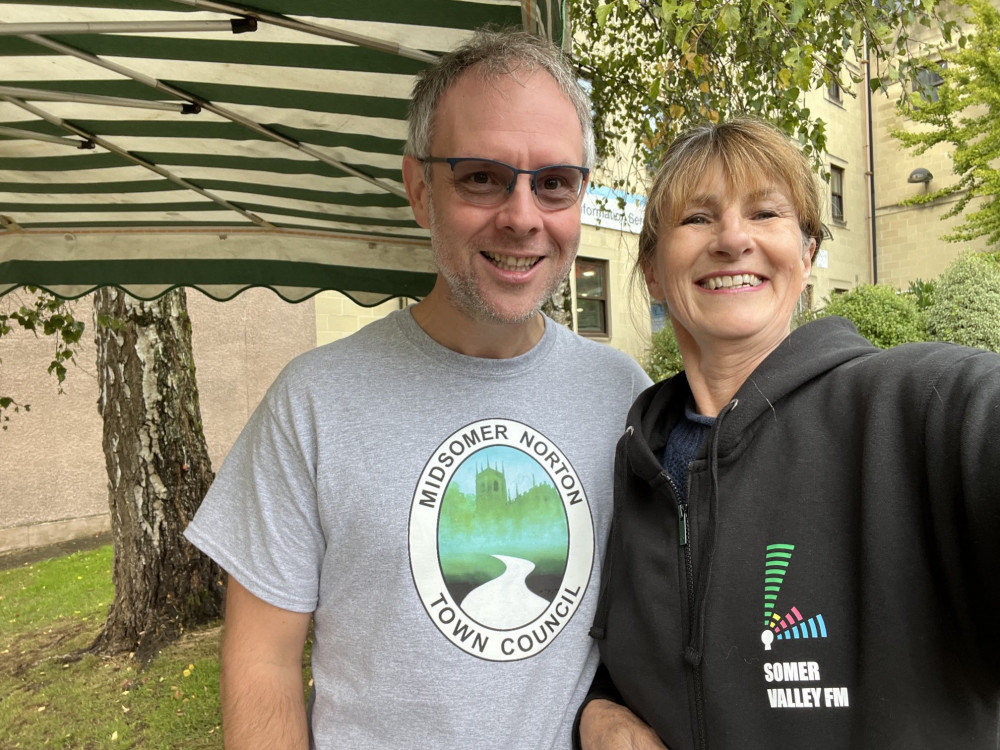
{"x": 486, "y": 182}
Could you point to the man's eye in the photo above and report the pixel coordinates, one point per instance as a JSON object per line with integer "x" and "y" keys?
{"x": 481, "y": 180}
{"x": 552, "y": 182}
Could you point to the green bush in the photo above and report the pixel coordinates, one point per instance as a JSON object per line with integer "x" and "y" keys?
{"x": 922, "y": 293}
{"x": 663, "y": 360}
{"x": 882, "y": 314}
{"x": 966, "y": 308}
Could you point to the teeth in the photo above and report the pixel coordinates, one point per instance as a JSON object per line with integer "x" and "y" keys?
{"x": 728, "y": 282}
{"x": 510, "y": 263}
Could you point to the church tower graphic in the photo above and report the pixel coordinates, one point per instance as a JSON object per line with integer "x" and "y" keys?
{"x": 491, "y": 491}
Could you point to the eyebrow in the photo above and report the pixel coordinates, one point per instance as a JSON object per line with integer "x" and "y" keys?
{"x": 711, "y": 200}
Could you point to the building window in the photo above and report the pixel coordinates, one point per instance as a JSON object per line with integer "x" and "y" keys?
{"x": 837, "y": 193}
{"x": 592, "y": 297}
{"x": 927, "y": 82}
{"x": 833, "y": 92}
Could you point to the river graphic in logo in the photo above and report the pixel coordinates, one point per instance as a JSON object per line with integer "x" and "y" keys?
{"x": 501, "y": 540}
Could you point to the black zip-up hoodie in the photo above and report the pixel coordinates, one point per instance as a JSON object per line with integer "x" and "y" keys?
{"x": 833, "y": 580}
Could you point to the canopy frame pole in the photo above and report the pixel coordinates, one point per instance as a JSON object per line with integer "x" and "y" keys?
{"x": 237, "y": 26}
{"x": 18, "y": 134}
{"x": 42, "y": 95}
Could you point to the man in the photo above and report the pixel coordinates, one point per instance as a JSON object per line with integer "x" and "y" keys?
{"x": 430, "y": 491}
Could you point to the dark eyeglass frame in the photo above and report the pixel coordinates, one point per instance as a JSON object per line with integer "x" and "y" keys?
{"x": 453, "y": 161}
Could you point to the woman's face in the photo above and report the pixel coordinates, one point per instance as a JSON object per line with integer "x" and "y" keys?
{"x": 731, "y": 264}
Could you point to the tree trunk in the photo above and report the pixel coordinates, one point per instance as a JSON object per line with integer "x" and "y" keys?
{"x": 158, "y": 472}
{"x": 559, "y": 306}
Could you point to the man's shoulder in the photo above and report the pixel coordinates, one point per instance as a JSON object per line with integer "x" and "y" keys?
{"x": 594, "y": 366}
{"x": 369, "y": 339}
{"x": 602, "y": 353}
{"x": 371, "y": 348}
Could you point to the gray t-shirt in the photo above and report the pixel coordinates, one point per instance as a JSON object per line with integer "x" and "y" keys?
{"x": 440, "y": 515}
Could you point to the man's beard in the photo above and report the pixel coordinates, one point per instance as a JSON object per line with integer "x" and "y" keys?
{"x": 467, "y": 296}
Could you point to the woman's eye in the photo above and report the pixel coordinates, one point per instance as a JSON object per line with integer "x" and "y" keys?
{"x": 695, "y": 219}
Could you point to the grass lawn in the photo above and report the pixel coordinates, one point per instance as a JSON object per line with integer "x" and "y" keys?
{"x": 52, "y": 696}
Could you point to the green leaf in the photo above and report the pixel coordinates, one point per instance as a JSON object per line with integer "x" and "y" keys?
{"x": 603, "y": 11}
{"x": 729, "y": 18}
{"x": 798, "y": 10}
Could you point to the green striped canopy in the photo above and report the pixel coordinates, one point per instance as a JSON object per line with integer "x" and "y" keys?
{"x": 139, "y": 150}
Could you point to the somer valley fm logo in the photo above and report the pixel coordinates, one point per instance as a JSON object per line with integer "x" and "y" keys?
{"x": 792, "y": 683}
{"x": 501, "y": 540}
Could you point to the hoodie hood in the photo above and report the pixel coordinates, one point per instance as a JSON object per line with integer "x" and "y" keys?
{"x": 808, "y": 352}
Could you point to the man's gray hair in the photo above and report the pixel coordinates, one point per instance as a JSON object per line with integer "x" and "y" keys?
{"x": 496, "y": 53}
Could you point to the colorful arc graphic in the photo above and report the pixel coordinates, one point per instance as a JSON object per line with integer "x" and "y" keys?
{"x": 791, "y": 625}
{"x": 775, "y": 566}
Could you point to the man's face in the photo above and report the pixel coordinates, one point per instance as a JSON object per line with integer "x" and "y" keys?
{"x": 502, "y": 261}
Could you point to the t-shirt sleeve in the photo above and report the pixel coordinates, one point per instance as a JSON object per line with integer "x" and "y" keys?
{"x": 259, "y": 520}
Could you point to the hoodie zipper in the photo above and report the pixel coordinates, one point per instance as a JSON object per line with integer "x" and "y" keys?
{"x": 683, "y": 537}
{"x": 693, "y": 653}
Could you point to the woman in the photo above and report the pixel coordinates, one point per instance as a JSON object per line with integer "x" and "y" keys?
{"x": 806, "y": 543}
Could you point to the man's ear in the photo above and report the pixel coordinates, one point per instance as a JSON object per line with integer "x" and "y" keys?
{"x": 417, "y": 190}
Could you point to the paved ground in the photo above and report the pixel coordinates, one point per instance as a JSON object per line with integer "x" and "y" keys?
{"x": 17, "y": 558}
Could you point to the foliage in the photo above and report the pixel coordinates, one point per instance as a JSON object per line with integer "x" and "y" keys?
{"x": 966, "y": 308}
{"x": 882, "y": 314}
{"x": 657, "y": 68}
{"x": 966, "y": 117}
{"x": 663, "y": 360}
{"x": 922, "y": 293}
{"x": 40, "y": 312}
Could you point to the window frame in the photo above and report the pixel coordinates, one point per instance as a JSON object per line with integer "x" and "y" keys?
{"x": 927, "y": 80}
{"x": 834, "y": 93}
{"x": 837, "y": 174}
{"x": 601, "y": 267}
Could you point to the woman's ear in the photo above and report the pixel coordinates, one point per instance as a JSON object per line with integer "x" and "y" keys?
{"x": 807, "y": 259}
{"x": 652, "y": 282}
{"x": 417, "y": 190}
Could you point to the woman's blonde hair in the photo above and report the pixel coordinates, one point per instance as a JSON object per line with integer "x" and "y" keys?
{"x": 748, "y": 151}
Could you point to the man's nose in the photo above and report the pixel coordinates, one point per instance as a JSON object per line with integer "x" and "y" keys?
{"x": 520, "y": 212}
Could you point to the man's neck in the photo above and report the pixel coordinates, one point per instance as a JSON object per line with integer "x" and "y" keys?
{"x": 474, "y": 337}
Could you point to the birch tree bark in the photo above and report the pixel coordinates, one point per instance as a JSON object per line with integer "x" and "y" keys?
{"x": 158, "y": 472}
{"x": 559, "y": 305}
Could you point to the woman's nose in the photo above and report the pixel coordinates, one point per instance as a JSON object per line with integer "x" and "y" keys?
{"x": 733, "y": 238}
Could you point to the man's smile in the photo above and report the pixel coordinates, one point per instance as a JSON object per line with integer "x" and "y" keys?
{"x": 511, "y": 262}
